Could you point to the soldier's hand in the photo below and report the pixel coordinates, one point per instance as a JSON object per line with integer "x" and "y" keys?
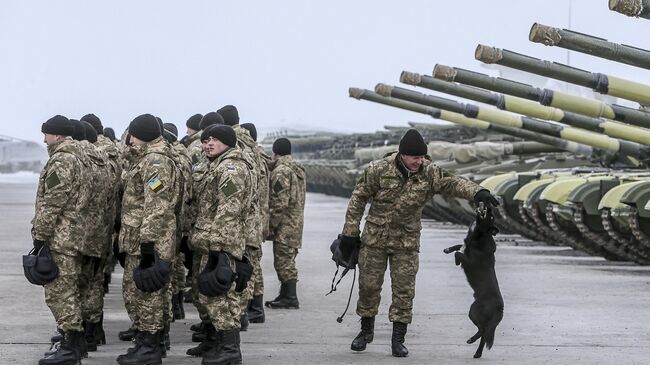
{"x": 38, "y": 244}
{"x": 349, "y": 241}
{"x": 147, "y": 257}
{"x": 485, "y": 197}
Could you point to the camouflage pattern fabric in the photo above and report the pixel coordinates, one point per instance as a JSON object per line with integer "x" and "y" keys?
{"x": 284, "y": 262}
{"x": 178, "y": 273}
{"x": 91, "y": 288}
{"x": 287, "y": 201}
{"x": 225, "y": 310}
{"x": 196, "y": 270}
{"x": 147, "y": 310}
{"x": 255, "y": 285}
{"x": 265, "y": 192}
{"x": 195, "y": 148}
{"x": 403, "y": 268}
{"x": 129, "y": 289}
{"x": 254, "y": 230}
{"x": 62, "y": 294}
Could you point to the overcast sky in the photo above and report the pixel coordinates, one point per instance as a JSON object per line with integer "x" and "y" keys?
{"x": 282, "y": 63}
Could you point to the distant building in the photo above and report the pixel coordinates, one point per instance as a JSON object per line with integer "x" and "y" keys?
{"x": 20, "y": 155}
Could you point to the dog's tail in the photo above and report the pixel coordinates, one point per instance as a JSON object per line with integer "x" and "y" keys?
{"x": 491, "y": 328}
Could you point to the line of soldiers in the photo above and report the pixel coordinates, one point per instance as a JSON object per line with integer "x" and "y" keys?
{"x": 159, "y": 206}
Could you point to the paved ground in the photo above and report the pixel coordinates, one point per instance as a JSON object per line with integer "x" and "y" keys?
{"x": 560, "y": 307}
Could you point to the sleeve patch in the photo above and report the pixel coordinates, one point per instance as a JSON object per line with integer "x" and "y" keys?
{"x": 231, "y": 168}
{"x": 155, "y": 184}
{"x": 155, "y": 163}
{"x": 52, "y": 180}
{"x": 277, "y": 187}
{"x": 228, "y": 188}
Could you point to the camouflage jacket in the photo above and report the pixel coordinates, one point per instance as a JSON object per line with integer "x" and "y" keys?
{"x": 195, "y": 148}
{"x": 287, "y": 201}
{"x": 265, "y": 192}
{"x": 394, "y": 218}
{"x": 255, "y": 231}
{"x": 113, "y": 210}
{"x": 223, "y": 202}
{"x": 185, "y": 165}
{"x": 57, "y": 217}
{"x": 151, "y": 194}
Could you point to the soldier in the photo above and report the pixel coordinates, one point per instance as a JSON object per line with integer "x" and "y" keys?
{"x": 147, "y": 235}
{"x": 194, "y": 147}
{"x": 286, "y": 205}
{"x": 58, "y": 226}
{"x": 224, "y": 202}
{"x": 399, "y": 185}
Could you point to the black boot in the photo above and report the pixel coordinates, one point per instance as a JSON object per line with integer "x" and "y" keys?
{"x": 91, "y": 342}
{"x": 197, "y": 327}
{"x": 207, "y": 345}
{"x": 127, "y": 335}
{"x": 165, "y": 342}
{"x": 107, "y": 280}
{"x": 397, "y": 340}
{"x": 148, "y": 353}
{"x": 243, "y": 322}
{"x": 68, "y": 352}
{"x": 180, "y": 304}
{"x": 100, "y": 336}
{"x": 227, "y": 352}
{"x": 200, "y": 335}
{"x": 290, "y": 300}
{"x": 282, "y": 294}
{"x": 58, "y": 337}
{"x": 366, "y": 335}
{"x": 176, "y": 307}
{"x": 187, "y": 296}
{"x": 137, "y": 342}
{"x": 256, "y": 310}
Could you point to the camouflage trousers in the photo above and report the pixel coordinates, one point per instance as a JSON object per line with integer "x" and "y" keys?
{"x": 223, "y": 310}
{"x": 256, "y": 283}
{"x": 403, "y": 269}
{"x": 91, "y": 288}
{"x": 62, "y": 294}
{"x": 145, "y": 309}
{"x": 178, "y": 273}
{"x": 284, "y": 262}
{"x": 196, "y": 270}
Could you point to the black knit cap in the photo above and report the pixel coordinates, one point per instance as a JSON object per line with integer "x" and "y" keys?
{"x": 109, "y": 133}
{"x": 94, "y": 121}
{"x": 230, "y": 115}
{"x": 223, "y": 133}
{"x": 210, "y": 119}
{"x": 58, "y": 125}
{"x": 145, "y": 128}
{"x": 412, "y": 144}
{"x": 282, "y": 147}
{"x": 250, "y": 127}
{"x": 171, "y": 129}
{"x": 193, "y": 122}
{"x": 89, "y": 131}
{"x": 79, "y": 132}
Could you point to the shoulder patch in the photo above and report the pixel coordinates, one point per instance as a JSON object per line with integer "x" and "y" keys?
{"x": 57, "y": 162}
{"x": 228, "y": 188}
{"x": 231, "y": 168}
{"x": 52, "y": 180}
{"x": 277, "y": 187}
{"x": 155, "y": 163}
{"x": 155, "y": 184}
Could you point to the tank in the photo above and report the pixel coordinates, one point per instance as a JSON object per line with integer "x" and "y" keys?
{"x": 574, "y": 41}
{"x": 602, "y": 83}
{"x": 529, "y": 108}
{"x": 548, "y": 97}
{"x": 633, "y": 8}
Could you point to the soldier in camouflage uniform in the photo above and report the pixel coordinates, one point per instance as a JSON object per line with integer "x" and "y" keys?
{"x": 193, "y": 142}
{"x": 398, "y": 186}
{"x": 286, "y": 205}
{"x": 57, "y": 225}
{"x": 224, "y": 201}
{"x": 151, "y": 193}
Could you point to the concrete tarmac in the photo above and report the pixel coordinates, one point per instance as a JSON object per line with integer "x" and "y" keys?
{"x": 561, "y": 307}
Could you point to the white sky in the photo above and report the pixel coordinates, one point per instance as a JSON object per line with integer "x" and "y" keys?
{"x": 282, "y": 63}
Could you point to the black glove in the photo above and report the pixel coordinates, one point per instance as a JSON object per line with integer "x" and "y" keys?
{"x": 38, "y": 244}
{"x": 345, "y": 251}
{"x": 485, "y": 197}
{"x": 147, "y": 257}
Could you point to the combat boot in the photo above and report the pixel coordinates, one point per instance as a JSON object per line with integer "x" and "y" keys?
{"x": 69, "y": 351}
{"x": 165, "y": 341}
{"x": 197, "y": 327}
{"x": 282, "y": 294}
{"x": 256, "y": 310}
{"x": 127, "y": 335}
{"x": 148, "y": 353}
{"x": 207, "y": 345}
{"x": 243, "y": 322}
{"x": 290, "y": 300}
{"x": 397, "y": 340}
{"x": 107, "y": 280}
{"x": 89, "y": 335}
{"x": 227, "y": 351}
{"x": 179, "y": 295}
{"x": 58, "y": 337}
{"x": 366, "y": 335}
{"x": 200, "y": 335}
{"x": 176, "y": 307}
{"x": 137, "y": 342}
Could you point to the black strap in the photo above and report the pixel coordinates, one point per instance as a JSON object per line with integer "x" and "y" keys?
{"x": 354, "y": 279}
{"x": 333, "y": 288}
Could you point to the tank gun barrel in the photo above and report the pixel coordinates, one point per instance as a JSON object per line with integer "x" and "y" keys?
{"x": 576, "y": 104}
{"x": 530, "y": 108}
{"x": 574, "y": 41}
{"x": 604, "y": 84}
{"x": 508, "y": 119}
{"x": 363, "y": 94}
{"x": 634, "y": 8}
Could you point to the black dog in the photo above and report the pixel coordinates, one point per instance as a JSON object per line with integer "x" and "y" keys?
{"x": 477, "y": 262}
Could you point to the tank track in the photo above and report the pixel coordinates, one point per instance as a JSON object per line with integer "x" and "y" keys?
{"x": 527, "y": 222}
{"x": 642, "y": 238}
{"x": 554, "y": 236}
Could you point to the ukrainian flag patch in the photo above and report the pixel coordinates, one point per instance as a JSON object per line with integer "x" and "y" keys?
{"x": 155, "y": 163}
{"x": 155, "y": 185}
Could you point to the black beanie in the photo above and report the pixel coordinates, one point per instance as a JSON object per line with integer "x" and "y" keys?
{"x": 171, "y": 129}
{"x": 58, "y": 125}
{"x": 230, "y": 115}
{"x": 223, "y": 133}
{"x": 94, "y": 122}
{"x": 282, "y": 146}
{"x": 210, "y": 119}
{"x": 412, "y": 144}
{"x": 109, "y": 133}
{"x": 193, "y": 122}
{"x": 250, "y": 127}
{"x": 79, "y": 132}
{"x": 145, "y": 128}
{"x": 90, "y": 132}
